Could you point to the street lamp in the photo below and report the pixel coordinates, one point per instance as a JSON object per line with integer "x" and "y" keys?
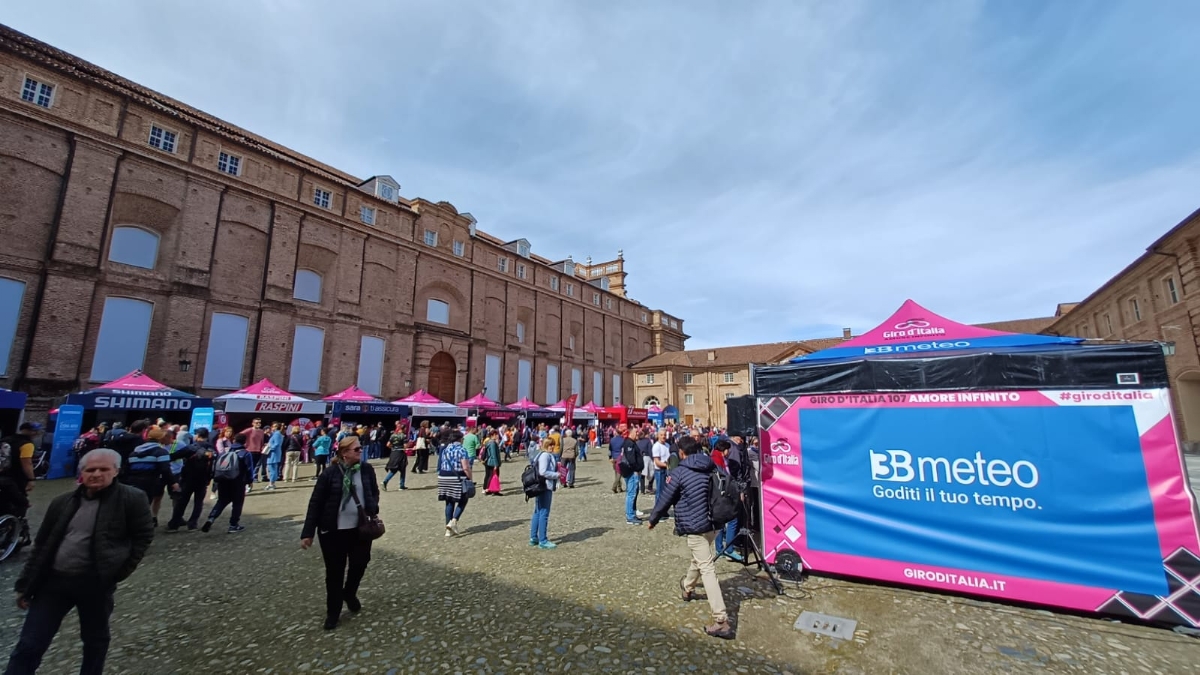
{"x": 185, "y": 363}
{"x": 1168, "y": 348}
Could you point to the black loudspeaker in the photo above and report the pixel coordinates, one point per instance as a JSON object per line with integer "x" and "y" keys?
{"x": 741, "y": 413}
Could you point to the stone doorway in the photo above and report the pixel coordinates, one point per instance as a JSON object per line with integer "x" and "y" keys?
{"x": 443, "y": 376}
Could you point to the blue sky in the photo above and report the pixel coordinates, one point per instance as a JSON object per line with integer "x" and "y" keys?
{"x": 772, "y": 170}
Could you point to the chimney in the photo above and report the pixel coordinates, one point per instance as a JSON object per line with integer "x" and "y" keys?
{"x": 712, "y": 356}
{"x": 846, "y": 334}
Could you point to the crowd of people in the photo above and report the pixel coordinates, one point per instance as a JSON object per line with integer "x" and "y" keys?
{"x": 125, "y": 472}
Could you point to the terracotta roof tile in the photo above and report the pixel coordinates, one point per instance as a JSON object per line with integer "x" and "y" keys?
{"x": 1020, "y": 325}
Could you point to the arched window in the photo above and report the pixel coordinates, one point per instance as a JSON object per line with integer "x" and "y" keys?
{"x": 437, "y": 311}
{"x": 308, "y": 286}
{"x": 133, "y": 246}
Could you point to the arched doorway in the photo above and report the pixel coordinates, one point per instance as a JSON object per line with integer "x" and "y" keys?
{"x": 442, "y": 376}
{"x": 1187, "y": 390}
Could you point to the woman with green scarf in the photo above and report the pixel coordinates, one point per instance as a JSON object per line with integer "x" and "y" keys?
{"x": 342, "y": 490}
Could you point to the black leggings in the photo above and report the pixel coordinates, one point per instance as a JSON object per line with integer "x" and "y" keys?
{"x": 339, "y": 549}
{"x": 320, "y": 461}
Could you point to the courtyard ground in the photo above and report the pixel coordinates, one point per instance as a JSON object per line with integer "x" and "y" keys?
{"x": 604, "y": 601}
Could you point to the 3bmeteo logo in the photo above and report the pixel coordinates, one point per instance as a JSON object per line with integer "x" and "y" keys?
{"x": 899, "y": 466}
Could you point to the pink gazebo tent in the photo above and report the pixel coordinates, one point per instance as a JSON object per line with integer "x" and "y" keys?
{"x": 592, "y": 408}
{"x": 265, "y": 397}
{"x": 480, "y": 401}
{"x": 526, "y": 405}
{"x": 420, "y": 397}
{"x": 351, "y": 393}
{"x": 581, "y": 413}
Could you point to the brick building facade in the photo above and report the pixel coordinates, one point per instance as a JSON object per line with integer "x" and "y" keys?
{"x": 142, "y": 232}
{"x": 1154, "y": 298}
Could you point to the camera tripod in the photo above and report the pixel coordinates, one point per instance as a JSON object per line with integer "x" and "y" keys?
{"x": 747, "y": 546}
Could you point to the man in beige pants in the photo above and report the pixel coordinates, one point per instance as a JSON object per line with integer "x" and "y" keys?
{"x": 686, "y": 489}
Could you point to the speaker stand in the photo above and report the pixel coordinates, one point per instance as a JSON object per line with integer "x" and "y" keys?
{"x": 746, "y": 544}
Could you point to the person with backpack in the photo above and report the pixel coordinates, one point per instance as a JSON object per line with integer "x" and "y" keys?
{"x": 321, "y": 445}
{"x": 570, "y": 454}
{"x": 397, "y": 458}
{"x": 453, "y": 467}
{"x": 545, "y": 467}
{"x": 87, "y": 441}
{"x": 688, "y": 489}
{"x": 233, "y": 472}
{"x": 728, "y": 533}
{"x": 150, "y": 469}
{"x": 630, "y": 464}
{"x": 197, "y": 461}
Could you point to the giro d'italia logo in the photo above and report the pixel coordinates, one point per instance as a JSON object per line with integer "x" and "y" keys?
{"x": 781, "y": 446}
{"x": 912, "y": 323}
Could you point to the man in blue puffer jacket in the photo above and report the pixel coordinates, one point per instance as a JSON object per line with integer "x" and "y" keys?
{"x": 687, "y": 490}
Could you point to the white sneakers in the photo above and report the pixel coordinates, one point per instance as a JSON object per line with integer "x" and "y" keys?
{"x": 452, "y": 528}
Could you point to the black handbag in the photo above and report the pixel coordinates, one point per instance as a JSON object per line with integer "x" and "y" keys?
{"x": 370, "y": 528}
{"x": 468, "y": 488}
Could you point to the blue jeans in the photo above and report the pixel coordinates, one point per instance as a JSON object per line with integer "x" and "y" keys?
{"x": 631, "y": 495}
{"x": 725, "y": 537}
{"x": 454, "y": 509}
{"x": 274, "y": 471}
{"x": 392, "y": 474}
{"x": 660, "y": 479}
{"x": 583, "y": 451}
{"x": 541, "y": 517}
{"x": 93, "y": 601}
{"x": 570, "y": 471}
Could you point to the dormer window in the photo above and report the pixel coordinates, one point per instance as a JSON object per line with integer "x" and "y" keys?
{"x": 387, "y": 192}
{"x": 523, "y": 249}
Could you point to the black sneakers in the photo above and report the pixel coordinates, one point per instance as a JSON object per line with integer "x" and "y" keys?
{"x": 206, "y": 526}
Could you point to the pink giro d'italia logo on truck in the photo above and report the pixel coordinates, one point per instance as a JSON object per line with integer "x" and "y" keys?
{"x": 912, "y": 328}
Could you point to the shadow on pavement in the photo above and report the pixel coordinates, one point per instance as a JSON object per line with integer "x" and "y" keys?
{"x": 583, "y": 535}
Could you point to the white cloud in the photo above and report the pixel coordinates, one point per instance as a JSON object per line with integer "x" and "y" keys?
{"x": 770, "y": 170}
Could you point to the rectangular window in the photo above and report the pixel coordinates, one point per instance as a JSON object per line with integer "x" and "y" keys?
{"x": 596, "y": 299}
{"x": 649, "y": 378}
{"x": 689, "y": 399}
{"x": 524, "y": 378}
{"x": 616, "y": 397}
{"x": 37, "y": 93}
{"x": 728, "y": 378}
{"x": 430, "y": 238}
{"x": 162, "y": 139}
{"x": 437, "y": 311}
{"x": 577, "y": 382}
{"x": 1171, "y": 289}
{"x": 571, "y": 290}
{"x": 491, "y": 375}
{"x": 1108, "y": 323}
{"x": 520, "y": 271}
{"x": 597, "y": 388}
{"x": 523, "y": 250}
{"x": 687, "y": 378}
{"x": 1135, "y": 310}
{"x": 370, "y": 365}
{"x": 728, "y": 395}
{"x": 571, "y": 342}
{"x": 551, "y": 384}
{"x": 608, "y": 303}
{"x": 230, "y": 164}
{"x": 124, "y": 334}
{"x": 12, "y": 294}
{"x": 520, "y": 332}
{"x": 367, "y": 215}
{"x": 502, "y": 264}
{"x": 645, "y": 318}
{"x": 387, "y": 192}
{"x": 308, "y": 348}
{"x": 554, "y": 283}
{"x": 459, "y": 249}
{"x": 674, "y": 323}
{"x": 226, "y": 353}
{"x": 322, "y": 198}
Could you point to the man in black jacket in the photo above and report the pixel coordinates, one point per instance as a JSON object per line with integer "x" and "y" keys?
{"x": 687, "y": 490}
{"x": 193, "y": 480}
{"x": 90, "y": 540}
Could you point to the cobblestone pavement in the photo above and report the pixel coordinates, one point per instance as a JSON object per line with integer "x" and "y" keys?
{"x": 604, "y": 601}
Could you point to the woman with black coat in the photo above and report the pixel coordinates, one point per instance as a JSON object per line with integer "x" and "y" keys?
{"x": 333, "y": 513}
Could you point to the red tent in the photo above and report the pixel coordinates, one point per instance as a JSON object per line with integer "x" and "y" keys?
{"x": 480, "y": 401}
{"x": 525, "y": 404}
{"x": 421, "y": 397}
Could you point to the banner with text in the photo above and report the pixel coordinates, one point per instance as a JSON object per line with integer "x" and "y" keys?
{"x": 1070, "y": 498}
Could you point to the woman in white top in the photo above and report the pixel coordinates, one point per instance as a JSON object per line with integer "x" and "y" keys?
{"x": 546, "y": 463}
{"x": 659, "y": 455}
